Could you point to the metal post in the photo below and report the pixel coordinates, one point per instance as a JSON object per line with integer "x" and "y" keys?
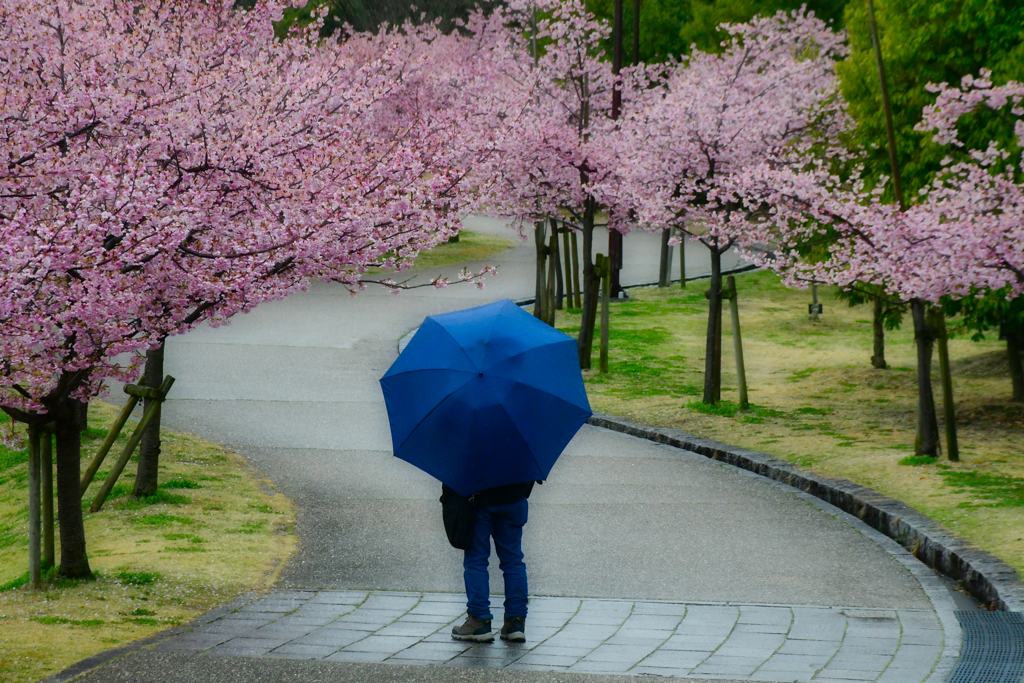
{"x": 737, "y": 342}
{"x": 35, "y": 578}
{"x": 46, "y": 470}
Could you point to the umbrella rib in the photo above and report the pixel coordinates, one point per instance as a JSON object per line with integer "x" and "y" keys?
{"x": 456, "y": 342}
{"x": 395, "y": 447}
{"x": 529, "y": 350}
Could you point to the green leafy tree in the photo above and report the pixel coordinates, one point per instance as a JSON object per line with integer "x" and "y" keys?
{"x": 669, "y": 27}
{"x": 926, "y": 41}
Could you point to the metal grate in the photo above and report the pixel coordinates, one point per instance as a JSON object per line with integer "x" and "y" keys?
{"x": 993, "y": 649}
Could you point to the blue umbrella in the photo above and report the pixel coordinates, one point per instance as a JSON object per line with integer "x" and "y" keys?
{"x": 485, "y": 397}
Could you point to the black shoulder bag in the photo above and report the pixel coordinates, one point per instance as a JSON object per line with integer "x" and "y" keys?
{"x": 459, "y": 515}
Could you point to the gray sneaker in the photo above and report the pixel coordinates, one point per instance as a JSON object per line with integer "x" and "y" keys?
{"x": 477, "y": 630}
{"x": 514, "y": 630}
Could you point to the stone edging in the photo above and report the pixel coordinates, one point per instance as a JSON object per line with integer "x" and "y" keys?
{"x": 983, "y": 575}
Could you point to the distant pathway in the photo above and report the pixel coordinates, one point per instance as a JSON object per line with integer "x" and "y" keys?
{"x": 637, "y": 548}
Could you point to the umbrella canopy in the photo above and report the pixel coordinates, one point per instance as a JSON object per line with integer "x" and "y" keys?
{"x": 485, "y": 397}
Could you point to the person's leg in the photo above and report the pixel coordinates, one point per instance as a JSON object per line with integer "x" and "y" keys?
{"x": 508, "y": 522}
{"x": 474, "y": 565}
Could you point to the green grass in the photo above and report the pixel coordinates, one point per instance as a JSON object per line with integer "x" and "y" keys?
{"x": 171, "y": 555}
{"x": 918, "y": 460}
{"x": 163, "y": 519}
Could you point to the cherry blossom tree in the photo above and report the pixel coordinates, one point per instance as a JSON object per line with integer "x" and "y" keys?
{"x": 560, "y": 94}
{"x": 771, "y": 97}
{"x": 170, "y": 164}
{"x": 964, "y": 236}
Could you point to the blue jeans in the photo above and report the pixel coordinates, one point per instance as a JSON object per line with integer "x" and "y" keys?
{"x": 505, "y": 524}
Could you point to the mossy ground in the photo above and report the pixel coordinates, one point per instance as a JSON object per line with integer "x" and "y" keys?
{"x": 215, "y": 529}
{"x": 818, "y": 402}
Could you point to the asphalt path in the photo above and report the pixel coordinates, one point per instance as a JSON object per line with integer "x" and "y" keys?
{"x": 293, "y": 386}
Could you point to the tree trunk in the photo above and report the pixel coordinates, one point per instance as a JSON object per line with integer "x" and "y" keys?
{"x": 878, "y": 358}
{"x": 146, "y": 478}
{"x": 83, "y": 415}
{"x": 590, "y": 285}
{"x": 556, "y": 257}
{"x": 540, "y": 295}
{"x": 926, "y": 441}
{"x": 713, "y": 347}
{"x": 74, "y": 564}
{"x": 1014, "y": 351}
{"x": 665, "y": 265}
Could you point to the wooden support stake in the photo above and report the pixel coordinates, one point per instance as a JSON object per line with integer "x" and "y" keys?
{"x": 682, "y": 262}
{"x": 35, "y": 578}
{"x": 577, "y": 301}
{"x": 737, "y": 342}
{"x": 949, "y": 410}
{"x": 46, "y": 470}
{"x": 815, "y": 308}
{"x": 568, "y": 267}
{"x": 108, "y": 442}
{"x": 556, "y": 256}
{"x": 606, "y": 281}
{"x": 126, "y": 454}
{"x": 552, "y": 296}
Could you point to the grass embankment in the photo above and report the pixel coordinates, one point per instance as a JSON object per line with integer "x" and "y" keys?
{"x": 817, "y": 401}
{"x": 213, "y": 530}
{"x": 472, "y": 246}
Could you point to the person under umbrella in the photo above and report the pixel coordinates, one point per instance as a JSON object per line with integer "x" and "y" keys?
{"x": 485, "y": 400}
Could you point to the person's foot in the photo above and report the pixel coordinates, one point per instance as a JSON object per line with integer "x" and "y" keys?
{"x": 477, "y": 630}
{"x": 514, "y": 630}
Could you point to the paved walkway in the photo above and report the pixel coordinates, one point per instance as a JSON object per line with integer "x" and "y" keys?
{"x": 778, "y": 585}
{"x": 756, "y": 642}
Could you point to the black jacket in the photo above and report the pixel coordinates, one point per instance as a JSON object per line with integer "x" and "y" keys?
{"x": 499, "y": 495}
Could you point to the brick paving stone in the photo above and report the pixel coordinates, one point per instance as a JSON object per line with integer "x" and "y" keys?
{"x": 810, "y": 647}
{"x": 636, "y": 634}
{"x": 331, "y": 636}
{"x": 749, "y": 642}
{"x": 435, "y": 652}
{"x": 671, "y": 609}
{"x": 674, "y": 659}
{"x": 302, "y": 651}
{"x": 801, "y": 663}
{"x": 619, "y": 653}
{"x": 389, "y": 644}
{"x": 192, "y": 642}
{"x": 596, "y": 667}
{"x": 597, "y": 618}
{"x": 728, "y": 666}
{"x": 546, "y": 649}
{"x": 753, "y": 614}
{"x": 399, "y": 628}
{"x": 357, "y": 657}
{"x": 547, "y": 660}
{"x": 651, "y": 621}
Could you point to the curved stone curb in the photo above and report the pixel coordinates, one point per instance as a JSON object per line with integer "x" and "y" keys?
{"x": 983, "y": 575}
